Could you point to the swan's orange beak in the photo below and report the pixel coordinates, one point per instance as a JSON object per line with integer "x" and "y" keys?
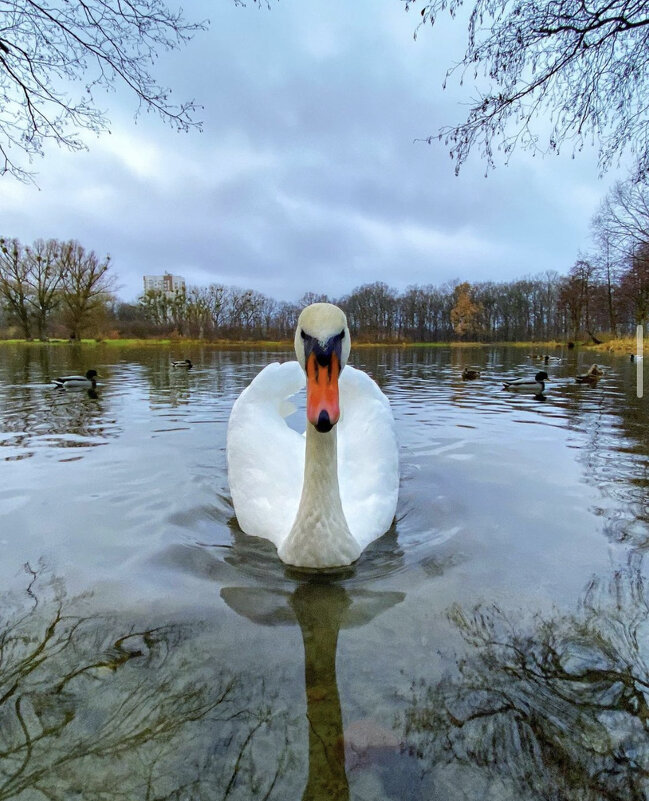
{"x": 322, "y": 403}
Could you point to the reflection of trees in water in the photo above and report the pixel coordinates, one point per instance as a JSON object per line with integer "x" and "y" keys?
{"x": 168, "y": 386}
{"x": 93, "y": 707}
{"x": 32, "y": 411}
{"x": 559, "y": 710}
{"x": 33, "y": 415}
{"x": 615, "y": 453}
{"x": 215, "y": 374}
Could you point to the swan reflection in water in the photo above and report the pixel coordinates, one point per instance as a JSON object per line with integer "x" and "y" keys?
{"x": 555, "y": 707}
{"x": 87, "y": 697}
{"x": 321, "y": 609}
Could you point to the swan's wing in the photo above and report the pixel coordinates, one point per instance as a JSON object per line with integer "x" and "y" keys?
{"x": 265, "y": 456}
{"x": 368, "y": 457}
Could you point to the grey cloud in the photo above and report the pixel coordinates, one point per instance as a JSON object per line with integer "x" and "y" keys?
{"x": 307, "y": 175}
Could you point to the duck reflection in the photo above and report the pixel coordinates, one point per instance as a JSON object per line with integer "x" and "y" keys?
{"x": 34, "y": 413}
{"x": 321, "y": 607}
{"x": 31, "y": 416}
{"x": 558, "y": 709}
{"x": 168, "y": 386}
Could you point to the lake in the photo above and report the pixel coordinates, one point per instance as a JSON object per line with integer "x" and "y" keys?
{"x": 494, "y": 644}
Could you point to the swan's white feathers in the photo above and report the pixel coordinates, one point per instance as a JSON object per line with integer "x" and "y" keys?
{"x": 266, "y": 457}
{"x": 368, "y": 468}
{"x": 264, "y": 454}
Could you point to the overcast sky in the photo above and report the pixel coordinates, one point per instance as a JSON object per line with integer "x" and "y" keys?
{"x": 307, "y": 175}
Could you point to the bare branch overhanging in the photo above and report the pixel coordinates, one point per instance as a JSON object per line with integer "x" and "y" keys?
{"x": 554, "y": 74}
{"x": 54, "y": 58}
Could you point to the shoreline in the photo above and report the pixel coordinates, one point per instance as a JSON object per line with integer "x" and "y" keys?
{"x": 616, "y": 346}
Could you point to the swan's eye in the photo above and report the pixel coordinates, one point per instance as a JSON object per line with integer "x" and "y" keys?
{"x": 303, "y": 335}
{"x": 342, "y": 334}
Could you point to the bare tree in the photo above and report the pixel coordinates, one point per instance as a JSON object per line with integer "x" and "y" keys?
{"x": 44, "y": 278}
{"x": 14, "y": 282}
{"x": 217, "y": 300}
{"x": 242, "y": 307}
{"x": 580, "y": 66}
{"x": 86, "y": 286}
{"x": 179, "y": 310}
{"x": 574, "y": 297}
{"x": 286, "y": 317}
{"x": 198, "y": 310}
{"x": 607, "y": 272}
{"x": 312, "y": 297}
{"x": 47, "y": 50}
{"x": 621, "y": 231}
{"x": 634, "y": 286}
{"x": 623, "y": 217}
{"x": 371, "y": 310}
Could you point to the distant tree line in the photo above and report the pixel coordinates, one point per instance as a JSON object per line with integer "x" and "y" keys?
{"x": 543, "y": 307}
{"x": 52, "y": 287}
{"x": 606, "y": 291}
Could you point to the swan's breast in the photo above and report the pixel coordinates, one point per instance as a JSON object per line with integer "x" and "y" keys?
{"x": 266, "y": 457}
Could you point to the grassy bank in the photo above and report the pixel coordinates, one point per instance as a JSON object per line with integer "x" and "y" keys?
{"x": 142, "y": 343}
{"x": 625, "y": 345}
{"x": 617, "y": 346}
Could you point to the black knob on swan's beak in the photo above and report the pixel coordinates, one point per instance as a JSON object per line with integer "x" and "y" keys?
{"x": 324, "y": 424}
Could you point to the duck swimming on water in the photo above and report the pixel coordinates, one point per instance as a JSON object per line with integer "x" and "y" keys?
{"x": 86, "y": 381}
{"x": 591, "y": 377}
{"x": 323, "y": 497}
{"x": 535, "y": 385}
{"x": 469, "y": 374}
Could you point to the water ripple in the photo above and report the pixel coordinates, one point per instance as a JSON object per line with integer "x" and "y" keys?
{"x": 464, "y": 444}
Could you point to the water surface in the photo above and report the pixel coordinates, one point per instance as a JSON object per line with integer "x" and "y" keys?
{"x": 493, "y": 644}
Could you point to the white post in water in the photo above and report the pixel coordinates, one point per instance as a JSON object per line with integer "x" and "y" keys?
{"x": 639, "y": 362}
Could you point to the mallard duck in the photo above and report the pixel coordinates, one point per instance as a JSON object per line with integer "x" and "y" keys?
{"x": 323, "y": 497}
{"x": 591, "y": 377}
{"x": 535, "y": 385}
{"x": 469, "y": 374}
{"x": 86, "y": 381}
{"x": 183, "y": 364}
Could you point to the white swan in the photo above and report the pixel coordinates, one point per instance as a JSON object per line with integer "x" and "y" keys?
{"x": 322, "y": 498}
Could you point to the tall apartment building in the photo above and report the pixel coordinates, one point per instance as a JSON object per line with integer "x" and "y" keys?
{"x": 165, "y": 283}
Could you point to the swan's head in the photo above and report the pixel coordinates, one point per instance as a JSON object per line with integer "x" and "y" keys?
{"x": 322, "y": 348}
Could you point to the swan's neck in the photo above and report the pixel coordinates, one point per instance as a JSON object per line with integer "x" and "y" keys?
{"x": 320, "y": 536}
